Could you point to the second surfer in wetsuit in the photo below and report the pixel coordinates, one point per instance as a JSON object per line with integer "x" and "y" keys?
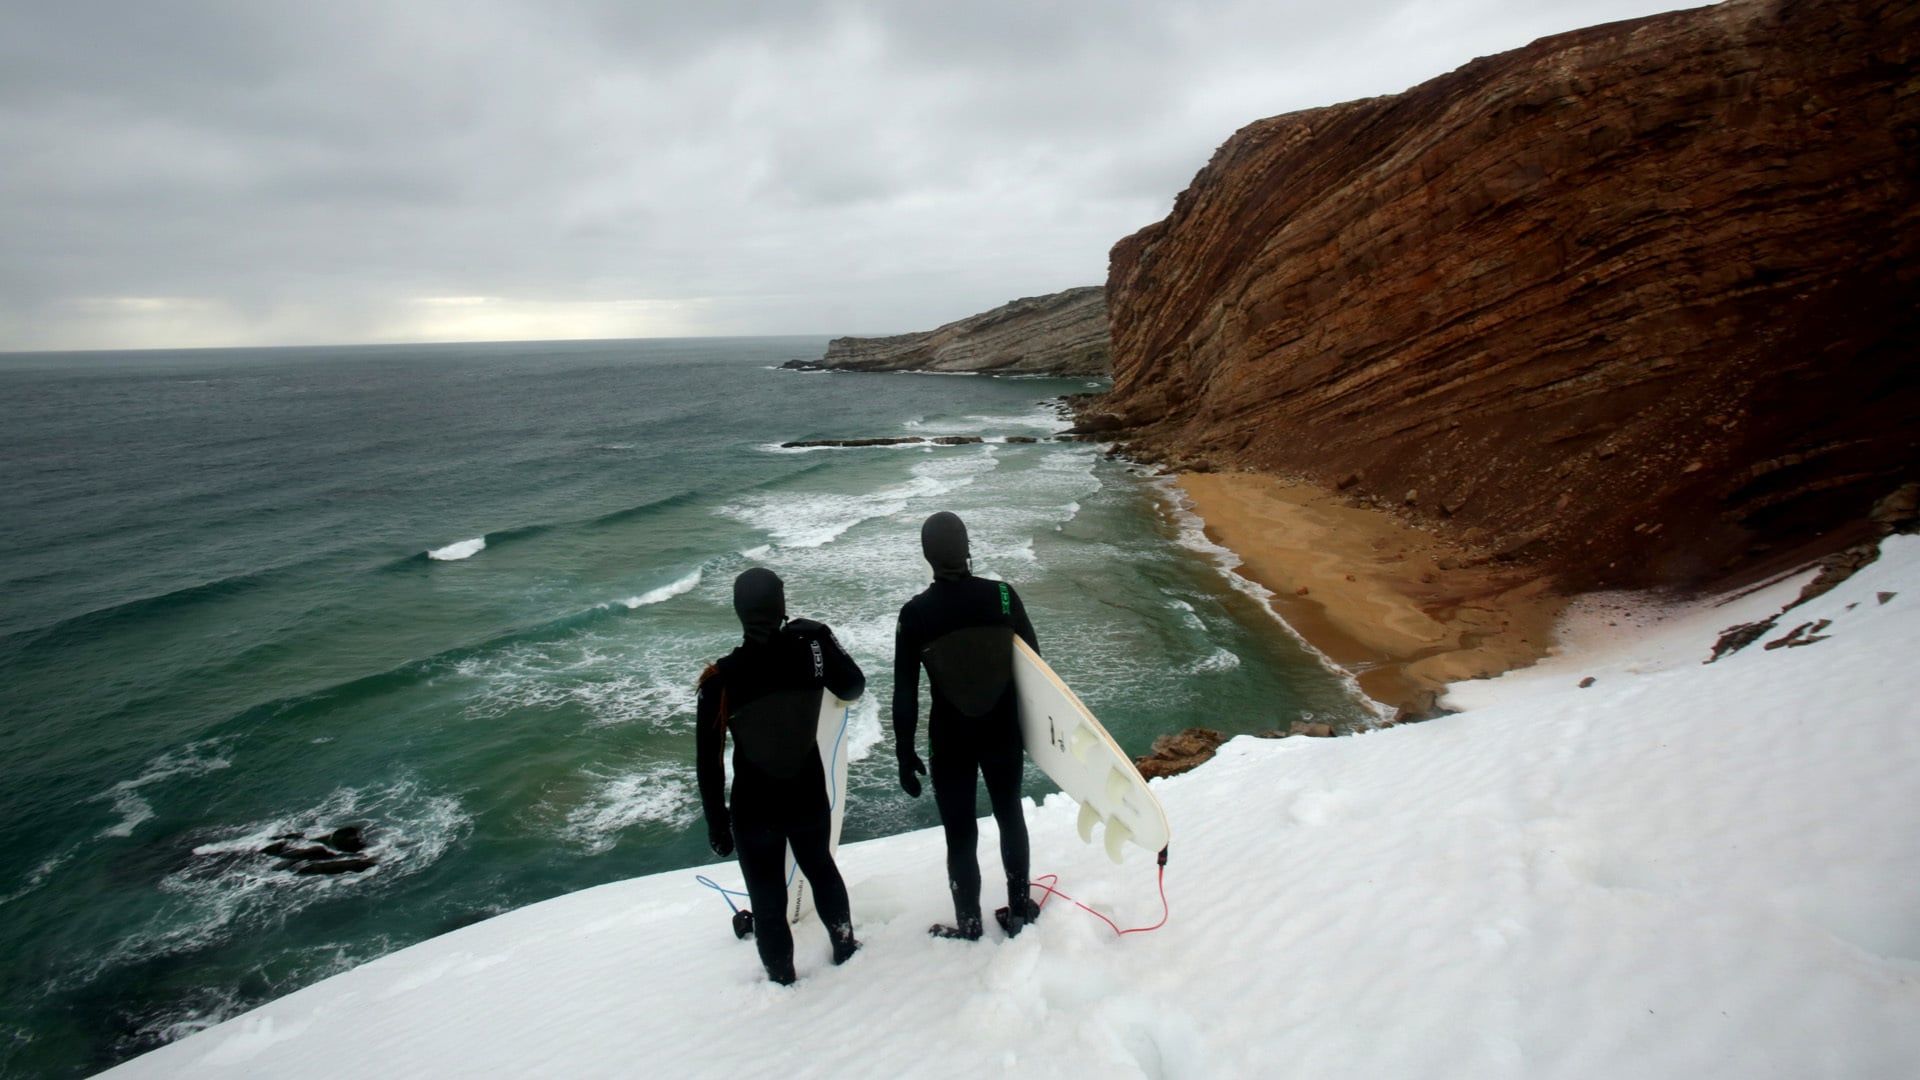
{"x": 961, "y": 628}
{"x": 766, "y": 693}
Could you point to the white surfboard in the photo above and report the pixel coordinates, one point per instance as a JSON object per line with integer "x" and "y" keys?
{"x": 1071, "y": 747}
{"x": 835, "y": 715}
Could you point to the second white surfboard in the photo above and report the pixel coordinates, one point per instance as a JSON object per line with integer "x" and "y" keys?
{"x": 1070, "y": 746}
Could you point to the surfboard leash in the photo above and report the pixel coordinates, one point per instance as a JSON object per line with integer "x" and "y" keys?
{"x": 1047, "y": 882}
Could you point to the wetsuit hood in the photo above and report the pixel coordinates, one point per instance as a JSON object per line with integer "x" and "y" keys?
{"x": 943, "y": 540}
{"x": 760, "y": 599}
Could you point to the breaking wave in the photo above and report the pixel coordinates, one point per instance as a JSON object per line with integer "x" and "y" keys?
{"x": 665, "y": 592}
{"x": 465, "y": 549}
{"x": 815, "y": 519}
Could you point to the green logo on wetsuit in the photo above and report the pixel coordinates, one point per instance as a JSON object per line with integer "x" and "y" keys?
{"x": 1006, "y": 600}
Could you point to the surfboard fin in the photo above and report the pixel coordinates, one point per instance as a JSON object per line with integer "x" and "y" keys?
{"x": 1117, "y": 836}
{"x": 1088, "y": 817}
{"x": 1117, "y": 784}
{"x": 1082, "y": 740}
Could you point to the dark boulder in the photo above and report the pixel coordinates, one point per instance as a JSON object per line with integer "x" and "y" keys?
{"x": 350, "y": 865}
{"x": 347, "y": 838}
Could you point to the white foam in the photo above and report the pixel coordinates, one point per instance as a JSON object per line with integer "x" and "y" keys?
{"x": 40, "y": 875}
{"x": 815, "y": 519}
{"x": 193, "y": 759}
{"x": 756, "y": 553}
{"x": 1041, "y": 419}
{"x": 465, "y": 549}
{"x": 615, "y": 679}
{"x": 665, "y": 592}
{"x": 1188, "y": 616}
{"x": 173, "y": 1024}
{"x": 1217, "y": 661}
{"x": 230, "y": 888}
{"x": 658, "y": 794}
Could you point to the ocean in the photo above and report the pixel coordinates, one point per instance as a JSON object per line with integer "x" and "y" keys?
{"x": 458, "y": 595}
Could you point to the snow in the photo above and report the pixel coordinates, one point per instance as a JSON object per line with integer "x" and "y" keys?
{"x": 1682, "y": 870}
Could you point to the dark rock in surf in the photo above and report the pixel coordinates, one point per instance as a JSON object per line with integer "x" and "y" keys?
{"x": 886, "y": 440}
{"x": 348, "y": 838}
{"x": 804, "y": 444}
{"x": 351, "y": 865}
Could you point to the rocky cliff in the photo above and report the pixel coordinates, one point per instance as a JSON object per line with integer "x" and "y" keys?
{"x": 1638, "y": 303}
{"x": 1064, "y": 333}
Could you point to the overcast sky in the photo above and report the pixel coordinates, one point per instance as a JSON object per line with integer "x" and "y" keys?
{"x": 255, "y": 173}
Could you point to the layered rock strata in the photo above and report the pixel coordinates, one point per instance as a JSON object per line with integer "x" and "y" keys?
{"x": 1638, "y": 304}
{"x": 1064, "y": 333}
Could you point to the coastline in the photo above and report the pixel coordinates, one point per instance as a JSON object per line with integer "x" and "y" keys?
{"x": 1404, "y": 611}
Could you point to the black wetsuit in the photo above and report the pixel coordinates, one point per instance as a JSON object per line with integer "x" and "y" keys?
{"x": 767, "y": 693}
{"x": 962, "y": 629}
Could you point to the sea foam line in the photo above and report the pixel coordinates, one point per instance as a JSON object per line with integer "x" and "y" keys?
{"x": 192, "y": 759}
{"x": 1193, "y": 536}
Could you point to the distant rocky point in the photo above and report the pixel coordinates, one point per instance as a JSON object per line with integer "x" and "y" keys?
{"x": 1638, "y": 304}
{"x": 1064, "y": 333}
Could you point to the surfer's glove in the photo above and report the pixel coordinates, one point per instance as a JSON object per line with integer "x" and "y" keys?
{"x": 720, "y": 838}
{"x": 910, "y": 763}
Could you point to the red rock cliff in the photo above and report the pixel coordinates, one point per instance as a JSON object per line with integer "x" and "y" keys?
{"x": 1637, "y": 303}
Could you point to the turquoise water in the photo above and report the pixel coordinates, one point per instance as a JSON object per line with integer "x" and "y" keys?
{"x": 223, "y": 623}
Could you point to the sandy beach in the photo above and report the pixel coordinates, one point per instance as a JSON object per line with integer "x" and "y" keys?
{"x": 1403, "y": 609}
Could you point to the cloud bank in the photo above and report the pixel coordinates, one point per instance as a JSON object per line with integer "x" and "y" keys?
{"x": 255, "y": 173}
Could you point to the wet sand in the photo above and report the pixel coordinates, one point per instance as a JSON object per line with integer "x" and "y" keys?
{"x": 1403, "y": 609}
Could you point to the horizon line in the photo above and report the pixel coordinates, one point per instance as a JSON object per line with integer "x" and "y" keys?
{"x": 5, "y": 352}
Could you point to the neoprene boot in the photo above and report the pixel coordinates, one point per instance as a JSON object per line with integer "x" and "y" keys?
{"x": 844, "y": 943}
{"x": 966, "y": 919}
{"x": 782, "y": 973}
{"x": 1020, "y": 909}
{"x": 964, "y": 930}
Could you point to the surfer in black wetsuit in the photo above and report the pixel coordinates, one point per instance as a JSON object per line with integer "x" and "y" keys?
{"x": 961, "y": 627}
{"x": 766, "y": 693}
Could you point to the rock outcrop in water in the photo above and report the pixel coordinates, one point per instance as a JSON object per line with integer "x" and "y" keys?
{"x": 1064, "y": 333}
{"x": 1638, "y": 304}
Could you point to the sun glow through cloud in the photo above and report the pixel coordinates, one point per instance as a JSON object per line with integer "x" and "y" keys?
{"x": 496, "y": 318}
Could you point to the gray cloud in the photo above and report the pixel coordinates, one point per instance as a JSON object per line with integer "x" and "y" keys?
{"x": 259, "y": 173}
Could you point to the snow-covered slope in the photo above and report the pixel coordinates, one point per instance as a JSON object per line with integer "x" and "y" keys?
{"x": 1679, "y": 871}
